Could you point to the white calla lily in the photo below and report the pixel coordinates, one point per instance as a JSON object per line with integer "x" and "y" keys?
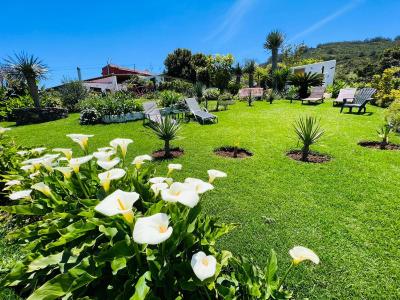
{"x": 43, "y": 188}
{"x": 157, "y": 179}
{"x": 108, "y": 164}
{"x": 212, "y": 174}
{"x": 172, "y": 167}
{"x": 34, "y": 175}
{"x": 66, "y": 171}
{"x": 105, "y": 149}
{"x": 203, "y": 266}
{"x": 158, "y": 187}
{"x": 122, "y": 144}
{"x": 66, "y": 151}
{"x": 119, "y": 202}
{"x": 104, "y": 155}
{"x": 108, "y": 176}
{"x": 12, "y": 183}
{"x": 4, "y": 130}
{"x": 182, "y": 193}
{"x": 28, "y": 168}
{"x": 75, "y": 163}
{"x": 81, "y": 139}
{"x": 199, "y": 185}
{"x": 22, "y": 152}
{"x": 38, "y": 150}
{"x": 139, "y": 160}
{"x": 300, "y": 253}
{"x": 25, "y": 194}
{"x": 152, "y": 230}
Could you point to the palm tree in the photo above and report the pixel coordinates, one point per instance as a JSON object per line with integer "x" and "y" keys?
{"x": 308, "y": 132}
{"x": 250, "y": 68}
{"x": 166, "y": 130}
{"x": 238, "y": 72}
{"x": 304, "y": 80}
{"x": 26, "y": 68}
{"x": 272, "y": 43}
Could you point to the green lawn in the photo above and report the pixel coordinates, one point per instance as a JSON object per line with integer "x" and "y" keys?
{"x": 346, "y": 210}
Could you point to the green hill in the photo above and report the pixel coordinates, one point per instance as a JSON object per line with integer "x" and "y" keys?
{"x": 359, "y": 58}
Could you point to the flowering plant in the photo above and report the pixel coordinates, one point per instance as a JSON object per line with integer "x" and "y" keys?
{"x": 109, "y": 229}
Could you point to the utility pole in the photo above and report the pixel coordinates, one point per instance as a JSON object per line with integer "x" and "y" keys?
{"x": 79, "y": 73}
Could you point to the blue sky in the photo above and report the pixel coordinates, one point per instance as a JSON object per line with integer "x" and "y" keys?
{"x": 67, "y": 34}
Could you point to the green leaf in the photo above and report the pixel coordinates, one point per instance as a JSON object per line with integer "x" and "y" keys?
{"x": 42, "y": 262}
{"x": 28, "y": 209}
{"x": 141, "y": 288}
{"x": 117, "y": 264}
{"x": 108, "y": 231}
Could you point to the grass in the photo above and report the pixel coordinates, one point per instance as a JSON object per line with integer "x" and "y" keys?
{"x": 346, "y": 210}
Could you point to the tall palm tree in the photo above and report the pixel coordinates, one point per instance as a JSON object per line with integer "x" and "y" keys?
{"x": 26, "y": 68}
{"x": 272, "y": 43}
{"x": 250, "y": 68}
{"x": 238, "y": 72}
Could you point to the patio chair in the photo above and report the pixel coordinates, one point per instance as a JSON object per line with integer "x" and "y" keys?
{"x": 151, "y": 112}
{"x": 360, "y": 100}
{"x": 200, "y": 115}
{"x": 347, "y": 93}
{"x": 317, "y": 95}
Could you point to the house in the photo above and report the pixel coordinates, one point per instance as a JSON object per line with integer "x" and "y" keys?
{"x": 327, "y": 68}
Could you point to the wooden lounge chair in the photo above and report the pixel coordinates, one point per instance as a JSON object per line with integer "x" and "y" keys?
{"x": 317, "y": 95}
{"x": 201, "y": 115}
{"x": 151, "y": 112}
{"x": 347, "y": 93}
{"x": 360, "y": 100}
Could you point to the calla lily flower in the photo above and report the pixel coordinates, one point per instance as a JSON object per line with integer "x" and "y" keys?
{"x": 199, "y": 185}
{"x": 172, "y": 167}
{"x": 113, "y": 174}
{"x": 203, "y": 266}
{"x": 22, "y": 153}
{"x": 157, "y": 179}
{"x": 139, "y": 160}
{"x": 67, "y": 152}
{"x": 182, "y": 193}
{"x": 38, "y": 150}
{"x": 66, "y": 171}
{"x": 3, "y": 130}
{"x": 20, "y": 195}
{"x": 34, "y": 175}
{"x": 104, "y": 155}
{"x": 75, "y": 163}
{"x": 105, "y": 149}
{"x": 46, "y": 161}
{"x": 11, "y": 183}
{"x": 81, "y": 139}
{"x": 28, "y": 168}
{"x": 43, "y": 188}
{"x": 119, "y": 202}
{"x": 158, "y": 187}
{"x": 299, "y": 254}
{"x": 152, "y": 230}
{"x": 212, "y": 174}
{"x": 122, "y": 144}
{"x": 108, "y": 164}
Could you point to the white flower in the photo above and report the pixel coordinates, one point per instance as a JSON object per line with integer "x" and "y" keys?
{"x": 157, "y": 179}
{"x": 152, "y": 230}
{"x": 108, "y": 164}
{"x": 75, "y": 163}
{"x": 212, "y": 174}
{"x": 172, "y": 167}
{"x": 46, "y": 161}
{"x": 199, "y": 185}
{"x": 12, "y": 183}
{"x": 3, "y": 130}
{"x": 119, "y": 202}
{"x": 22, "y": 153}
{"x": 20, "y": 195}
{"x": 122, "y": 144}
{"x": 105, "y": 149}
{"x": 33, "y": 175}
{"x": 38, "y": 150}
{"x": 81, "y": 139}
{"x": 28, "y": 168}
{"x": 182, "y": 193}
{"x": 43, "y": 188}
{"x": 113, "y": 174}
{"x": 104, "y": 155}
{"x": 158, "y": 187}
{"x": 66, "y": 171}
{"x": 139, "y": 160}
{"x": 203, "y": 266}
{"x": 299, "y": 254}
{"x": 66, "y": 151}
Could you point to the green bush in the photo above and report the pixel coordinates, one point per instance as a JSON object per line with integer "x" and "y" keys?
{"x": 387, "y": 86}
{"x": 304, "y": 81}
{"x": 225, "y": 100}
{"x": 71, "y": 93}
{"x": 211, "y": 94}
{"x": 336, "y": 87}
{"x": 234, "y": 87}
{"x": 169, "y": 98}
{"x": 51, "y": 99}
{"x": 8, "y": 105}
{"x": 392, "y": 115}
{"x": 89, "y": 116}
{"x": 179, "y": 86}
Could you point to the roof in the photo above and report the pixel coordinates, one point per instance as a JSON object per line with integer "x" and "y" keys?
{"x": 125, "y": 70}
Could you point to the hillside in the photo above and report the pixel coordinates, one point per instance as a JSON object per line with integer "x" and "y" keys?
{"x": 359, "y": 57}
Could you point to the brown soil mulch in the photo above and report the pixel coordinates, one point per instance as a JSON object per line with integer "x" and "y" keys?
{"x": 160, "y": 154}
{"x": 377, "y": 145}
{"x": 229, "y": 151}
{"x": 313, "y": 157}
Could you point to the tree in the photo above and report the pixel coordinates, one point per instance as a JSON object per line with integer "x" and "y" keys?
{"x": 220, "y": 70}
{"x": 293, "y": 54}
{"x": 250, "y": 68}
{"x": 179, "y": 64}
{"x": 238, "y": 72}
{"x": 200, "y": 66}
{"x": 72, "y": 92}
{"x": 26, "y": 68}
{"x": 304, "y": 80}
{"x": 390, "y": 58}
{"x": 273, "y": 42}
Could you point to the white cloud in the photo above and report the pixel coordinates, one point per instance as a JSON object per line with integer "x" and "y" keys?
{"x": 330, "y": 18}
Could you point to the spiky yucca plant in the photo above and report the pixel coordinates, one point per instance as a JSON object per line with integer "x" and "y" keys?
{"x": 273, "y": 42}
{"x": 383, "y": 133}
{"x": 304, "y": 80}
{"x": 308, "y": 132}
{"x": 166, "y": 130}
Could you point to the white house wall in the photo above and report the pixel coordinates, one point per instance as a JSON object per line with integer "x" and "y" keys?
{"x": 328, "y": 68}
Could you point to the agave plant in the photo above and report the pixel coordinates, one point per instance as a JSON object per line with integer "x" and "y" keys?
{"x": 167, "y": 130}
{"x": 26, "y": 68}
{"x": 272, "y": 43}
{"x": 383, "y": 133}
{"x": 250, "y": 68}
{"x": 304, "y": 80}
{"x": 308, "y": 132}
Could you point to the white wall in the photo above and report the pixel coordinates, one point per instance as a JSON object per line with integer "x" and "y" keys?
{"x": 328, "y": 68}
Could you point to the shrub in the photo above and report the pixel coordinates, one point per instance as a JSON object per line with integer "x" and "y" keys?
{"x": 89, "y": 116}
{"x": 71, "y": 93}
{"x": 308, "y": 132}
{"x": 51, "y": 99}
{"x": 336, "y": 87}
{"x": 32, "y": 115}
{"x": 224, "y": 100}
{"x": 179, "y": 86}
{"x": 387, "y": 86}
{"x": 169, "y": 98}
{"x": 211, "y": 94}
{"x": 305, "y": 80}
{"x": 383, "y": 133}
{"x": 292, "y": 93}
{"x": 8, "y": 105}
{"x": 392, "y": 115}
{"x": 234, "y": 87}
